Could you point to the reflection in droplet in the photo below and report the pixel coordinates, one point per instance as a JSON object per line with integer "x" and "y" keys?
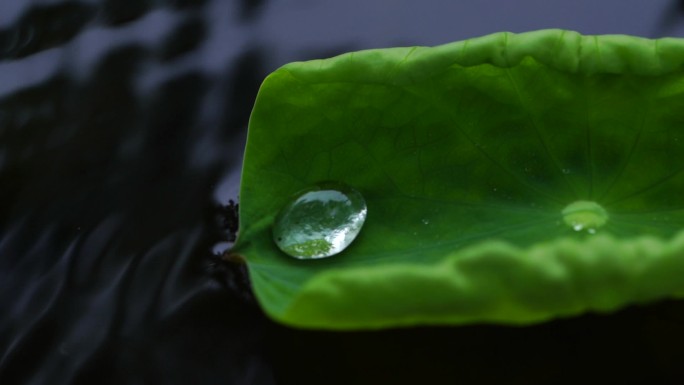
{"x": 320, "y": 222}
{"x": 585, "y": 215}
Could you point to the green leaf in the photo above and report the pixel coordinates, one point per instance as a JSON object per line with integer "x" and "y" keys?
{"x": 476, "y": 160}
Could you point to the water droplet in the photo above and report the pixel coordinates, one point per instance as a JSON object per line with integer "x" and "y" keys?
{"x": 425, "y": 221}
{"x": 320, "y": 222}
{"x": 566, "y": 171}
{"x": 585, "y": 215}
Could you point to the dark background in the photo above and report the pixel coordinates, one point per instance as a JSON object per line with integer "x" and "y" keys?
{"x": 122, "y": 125}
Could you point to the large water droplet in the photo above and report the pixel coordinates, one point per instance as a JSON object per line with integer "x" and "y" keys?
{"x": 320, "y": 222}
{"x": 585, "y": 215}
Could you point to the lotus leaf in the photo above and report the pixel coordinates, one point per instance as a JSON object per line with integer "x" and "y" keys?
{"x": 510, "y": 178}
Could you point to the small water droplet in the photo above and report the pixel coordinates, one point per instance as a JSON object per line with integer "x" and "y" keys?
{"x": 585, "y": 215}
{"x": 566, "y": 171}
{"x": 425, "y": 221}
{"x": 320, "y": 222}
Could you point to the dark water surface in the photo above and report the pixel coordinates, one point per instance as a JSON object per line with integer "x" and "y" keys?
{"x": 122, "y": 125}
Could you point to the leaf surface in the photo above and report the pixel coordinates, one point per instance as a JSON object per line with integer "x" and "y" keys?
{"x": 466, "y": 155}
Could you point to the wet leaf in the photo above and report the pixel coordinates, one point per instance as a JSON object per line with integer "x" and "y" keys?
{"x": 508, "y": 179}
